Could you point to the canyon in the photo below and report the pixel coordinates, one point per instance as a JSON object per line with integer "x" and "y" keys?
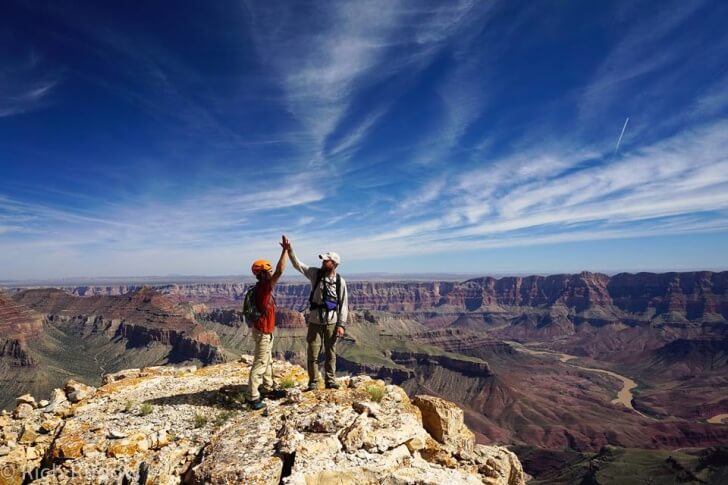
{"x": 561, "y": 367}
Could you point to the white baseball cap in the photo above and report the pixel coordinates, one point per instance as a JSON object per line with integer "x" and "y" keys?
{"x": 330, "y": 256}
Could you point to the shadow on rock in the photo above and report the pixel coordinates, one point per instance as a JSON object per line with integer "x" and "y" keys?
{"x": 226, "y": 397}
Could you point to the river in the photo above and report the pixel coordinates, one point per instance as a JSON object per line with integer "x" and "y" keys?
{"x": 624, "y": 396}
{"x": 718, "y": 419}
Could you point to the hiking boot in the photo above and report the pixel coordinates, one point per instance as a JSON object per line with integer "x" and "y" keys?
{"x": 332, "y": 385}
{"x": 273, "y": 393}
{"x": 256, "y": 405}
{"x": 312, "y": 386}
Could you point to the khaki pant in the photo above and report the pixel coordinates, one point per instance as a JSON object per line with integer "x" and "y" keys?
{"x": 318, "y": 334}
{"x": 262, "y": 370}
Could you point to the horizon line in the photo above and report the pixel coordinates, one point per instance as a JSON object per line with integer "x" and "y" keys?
{"x": 421, "y": 275}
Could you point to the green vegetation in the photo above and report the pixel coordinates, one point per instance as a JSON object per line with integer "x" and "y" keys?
{"x": 376, "y": 392}
{"x": 128, "y": 405}
{"x": 287, "y": 383}
{"x": 146, "y": 409}
{"x": 200, "y": 420}
{"x": 239, "y": 398}
{"x": 223, "y": 417}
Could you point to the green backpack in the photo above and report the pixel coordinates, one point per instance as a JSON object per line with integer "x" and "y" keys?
{"x": 251, "y": 313}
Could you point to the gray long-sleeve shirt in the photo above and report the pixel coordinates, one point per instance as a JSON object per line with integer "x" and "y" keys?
{"x": 342, "y": 315}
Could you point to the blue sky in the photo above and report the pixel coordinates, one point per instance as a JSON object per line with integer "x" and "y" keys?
{"x": 410, "y": 136}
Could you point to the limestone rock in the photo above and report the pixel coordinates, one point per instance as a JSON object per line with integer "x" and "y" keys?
{"x": 28, "y": 436}
{"x": 359, "y": 380}
{"x": 24, "y": 410}
{"x": 76, "y": 391}
{"x": 27, "y": 399}
{"x": 116, "y": 434}
{"x": 117, "y": 376}
{"x": 246, "y": 359}
{"x": 50, "y": 425}
{"x": 241, "y": 457}
{"x": 58, "y": 401}
{"x": 199, "y": 432}
{"x": 498, "y": 465}
{"x": 444, "y": 420}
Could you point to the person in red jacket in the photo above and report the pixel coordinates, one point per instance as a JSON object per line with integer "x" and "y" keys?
{"x": 262, "y": 370}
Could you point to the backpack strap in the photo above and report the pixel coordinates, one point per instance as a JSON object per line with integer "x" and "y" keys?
{"x": 254, "y": 295}
{"x": 339, "y": 298}
{"x": 338, "y": 290}
{"x": 319, "y": 277}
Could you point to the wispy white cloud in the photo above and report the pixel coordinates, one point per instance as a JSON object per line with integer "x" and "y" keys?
{"x": 201, "y": 218}
{"x": 422, "y": 197}
{"x": 323, "y": 70}
{"x": 319, "y": 68}
{"x": 713, "y": 101}
{"x": 638, "y": 53}
{"x": 531, "y": 178}
{"x": 21, "y": 95}
{"x": 653, "y": 190}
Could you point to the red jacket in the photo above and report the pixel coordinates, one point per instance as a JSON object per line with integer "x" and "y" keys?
{"x": 267, "y": 306}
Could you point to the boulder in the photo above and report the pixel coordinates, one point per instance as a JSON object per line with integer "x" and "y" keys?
{"x": 444, "y": 420}
{"x": 27, "y": 399}
{"x": 23, "y": 411}
{"x": 76, "y": 391}
{"x": 57, "y": 402}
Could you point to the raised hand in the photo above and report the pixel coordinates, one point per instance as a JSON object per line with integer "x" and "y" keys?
{"x": 285, "y": 243}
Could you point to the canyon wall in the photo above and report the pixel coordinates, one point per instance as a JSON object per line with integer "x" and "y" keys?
{"x": 643, "y": 296}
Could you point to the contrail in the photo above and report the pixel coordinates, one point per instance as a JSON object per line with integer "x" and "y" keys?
{"x": 621, "y": 134}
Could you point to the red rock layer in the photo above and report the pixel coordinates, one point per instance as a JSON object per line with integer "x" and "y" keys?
{"x": 690, "y": 295}
{"x": 142, "y": 317}
{"x": 18, "y": 324}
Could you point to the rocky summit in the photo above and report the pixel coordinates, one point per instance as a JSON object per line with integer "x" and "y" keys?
{"x": 170, "y": 425}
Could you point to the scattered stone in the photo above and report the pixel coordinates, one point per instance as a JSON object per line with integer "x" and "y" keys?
{"x": 122, "y": 448}
{"x": 358, "y": 435}
{"x": 294, "y": 396}
{"x": 415, "y": 444}
{"x": 357, "y": 381}
{"x": 27, "y": 399}
{"x": 117, "y": 376}
{"x": 28, "y": 437}
{"x": 43, "y": 403}
{"x": 58, "y": 400}
{"x": 368, "y": 408}
{"x": 158, "y": 440}
{"x": 318, "y": 438}
{"x": 76, "y": 391}
{"x": 246, "y": 359}
{"x": 23, "y": 411}
{"x": 32, "y": 453}
{"x": 289, "y": 439}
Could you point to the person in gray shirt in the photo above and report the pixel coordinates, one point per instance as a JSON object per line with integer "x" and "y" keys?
{"x": 327, "y": 316}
